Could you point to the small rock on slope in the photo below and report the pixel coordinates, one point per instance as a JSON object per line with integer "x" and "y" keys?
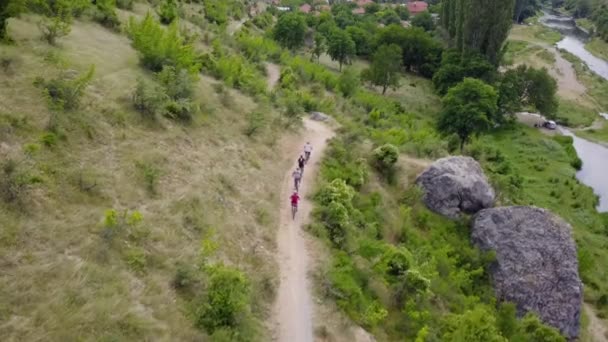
{"x": 455, "y": 185}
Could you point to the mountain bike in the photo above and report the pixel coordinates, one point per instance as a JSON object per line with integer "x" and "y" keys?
{"x": 294, "y": 210}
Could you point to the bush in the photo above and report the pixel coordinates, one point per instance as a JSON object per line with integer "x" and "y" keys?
{"x": 236, "y": 72}
{"x": 116, "y": 224}
{"x": 136, "y": 259}
{"x": 65, "y": 91}
{"x": 348, "y": 82}
{"x": 55, "y": 27}
{"x": 150, "y": 174}
{"x": 226, "y": 302}
{"x": 13, "y": 182}
{"x": 125, "y": 4}
{"x": 385, "y": 157}
{"x": 105, "y": 14}
{"x": 149, "y": 99}
{"x": 256, "y": 120}
{"x": 167, "y": 11}
{"x": 159, "y": 47}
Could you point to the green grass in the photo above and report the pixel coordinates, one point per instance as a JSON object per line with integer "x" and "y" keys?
{"x": 598, "y": 47}
{"x": 535, "y": 33}
{"x": 574, "y": 114}
{"x": 585, "y": 24}
{"x": 596, "y": 134}
{"x": 539, "y": 173}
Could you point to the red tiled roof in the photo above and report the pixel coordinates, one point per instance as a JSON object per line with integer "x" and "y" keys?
{"x": 359, "y": 10}
{"x": 417, "y": 6}
{"x": 306, "y": 8}
{"x": 362, "y": 3}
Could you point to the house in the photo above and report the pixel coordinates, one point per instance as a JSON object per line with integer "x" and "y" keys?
{"x": 362, "y": 3}
{"x": 306, "y": 8}
{"x": 417, "y": 7}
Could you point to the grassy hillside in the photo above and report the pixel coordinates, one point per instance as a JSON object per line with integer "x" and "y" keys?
{"x": 113, "y": 214}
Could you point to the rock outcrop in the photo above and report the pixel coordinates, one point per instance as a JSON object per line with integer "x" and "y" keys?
{"x": 455, "y": 185}
{"x": 536, "y": 263}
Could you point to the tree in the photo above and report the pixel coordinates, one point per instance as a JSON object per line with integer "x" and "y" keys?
{"x": 525, "y": 9}
{"x": 319, "y": 48}
{"x": 290, "y": 30}
{"x": 526, "y": 86}
{"x": 389, "y": 17}
{"x": 384, "y": 70}
{"x": 340, "y": 47}
{"x": 362, "y": 39}
{"x": 420, "y": 52}
{"x": 469, "y": 109}
{"x": 424, "y": 20}
{"x": 455, "y": 67}
{"x": 372, "y": 7}
{"x": 403, "y": 12}
{"x": 8, "y": 9}
{"x": 479, "y": 25}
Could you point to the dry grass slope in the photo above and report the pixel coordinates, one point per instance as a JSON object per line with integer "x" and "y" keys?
{"x": 59, "y": 279}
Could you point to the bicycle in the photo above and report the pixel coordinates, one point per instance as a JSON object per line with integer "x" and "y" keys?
{"x": 294, "y": 210}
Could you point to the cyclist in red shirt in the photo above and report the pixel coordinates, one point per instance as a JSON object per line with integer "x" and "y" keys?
{"x": 295, "y": 198}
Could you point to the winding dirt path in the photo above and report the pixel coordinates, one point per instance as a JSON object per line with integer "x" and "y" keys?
{"x": 596, "y": 327}
{"x": 294, "y": 305}
{"x": 274, "y": 74}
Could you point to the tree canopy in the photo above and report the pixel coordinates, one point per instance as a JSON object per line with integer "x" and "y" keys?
{"x": 469, "y": 108}
{"x": 525, "y": 86}
{"x": 384, "y": 70}
{"x": 340, "y": 46}
{"x": 478, "y": 25}
{"x": 290, "y": 30}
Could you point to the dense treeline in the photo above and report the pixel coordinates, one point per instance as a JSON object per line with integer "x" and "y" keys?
{"x": 480, "y": 26}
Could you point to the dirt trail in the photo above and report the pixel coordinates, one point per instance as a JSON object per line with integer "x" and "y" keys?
{"x": 596, "y": 327}
{"x": 274, "y": 74}
{"x": 293, "y": 308}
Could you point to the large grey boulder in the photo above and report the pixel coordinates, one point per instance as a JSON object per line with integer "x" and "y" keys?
{"x": 536, "y": 264}
{"x": 455, "y": 185}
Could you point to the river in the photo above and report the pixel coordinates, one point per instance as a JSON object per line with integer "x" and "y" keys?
{"x": 594, "y": 156}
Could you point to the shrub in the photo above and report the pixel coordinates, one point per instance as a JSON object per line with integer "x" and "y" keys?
{"x": 55, "y": 27}
{"x": 49, "y": 139}
{"x": 185, "y": 277}
{"x": 115, "y": 224}
{"x": 226, "y": 302}
{"x": 65, "y": 91}
{"x": 125, "y": 4}
{"x": 348, "y": 82}
{"x": 179, "y": 84}
{"x": 149, "y": 99}
{"x": 385, "y": 157}
{"x": 13, "y": 182}
{"x": 150, "y": 174}
{"x": 216, "y": 11}
{"x": 237, "y": 72}
{"x": 105, "y": 14}
{"x": 136, "y": 259}
{"x": 167, "y": 11}
{"x": 159, "y": 47}
{"x": 256, "y": 120}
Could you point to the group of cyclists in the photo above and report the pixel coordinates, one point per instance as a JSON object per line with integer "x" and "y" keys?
{"x": 297, "y": 176}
